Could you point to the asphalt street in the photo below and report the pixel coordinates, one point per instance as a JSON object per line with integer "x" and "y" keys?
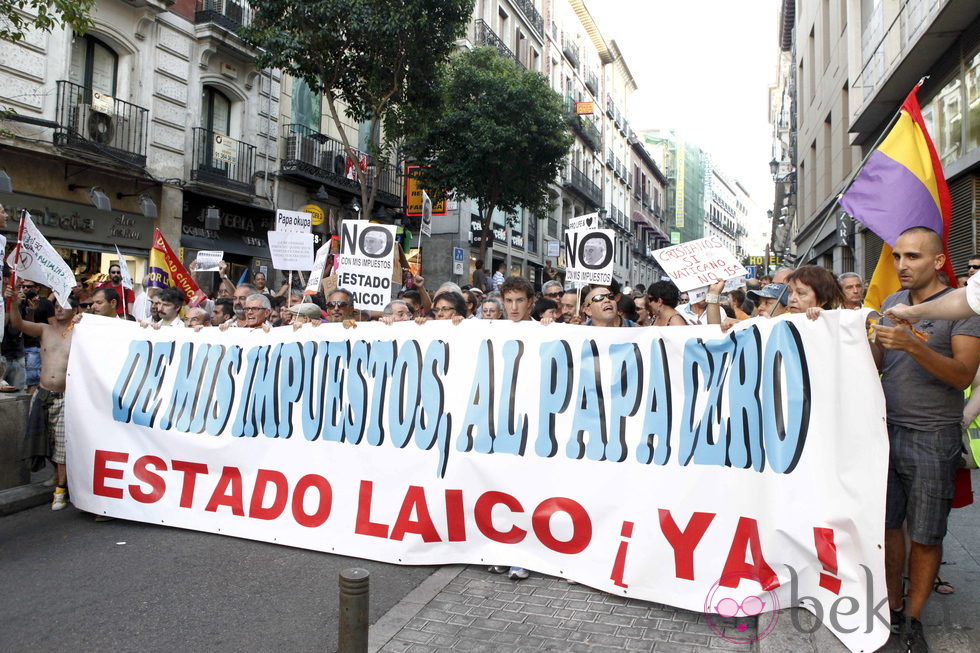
{"x": 70, "y": 583}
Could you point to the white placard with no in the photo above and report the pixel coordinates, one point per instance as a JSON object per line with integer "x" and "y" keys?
{"x": 699, "y": 263}
{"x": 291, "y": 250}
{"x": 208, "y": 260}
{"x": 589, "y": 255}
{"x": 297, "y": 221}
{"x": 365, "y": 263}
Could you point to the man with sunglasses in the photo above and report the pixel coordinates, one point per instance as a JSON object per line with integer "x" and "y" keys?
{"x": 552, "y": 290}
{"x": 115, "y": 282}
{"x": 960, "y": 304}
{"x": 340, "y": 305}
{"x": 600, "y": 305}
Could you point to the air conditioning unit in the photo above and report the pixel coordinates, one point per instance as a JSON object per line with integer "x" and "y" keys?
{"x": 105, "y": 129}
{"x": 300, "y": 147}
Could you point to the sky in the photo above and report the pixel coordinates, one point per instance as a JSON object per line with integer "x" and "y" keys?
{"x": 703, "y": 68}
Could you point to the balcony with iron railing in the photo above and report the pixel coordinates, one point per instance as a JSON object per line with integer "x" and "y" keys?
{"x": 583, "y": 126}
{"x": 222, "y": 161}
{"x": 229, "y": 14}
{"x": 317, "y": 158}
{"x": 576, "y": 180}
{"x": 592, "y": 81}
{"x": 101, "y": 125}
{"x": 531, "y": 13}
{"x": 570, "y": 50}
{"x": 483, "y": 35}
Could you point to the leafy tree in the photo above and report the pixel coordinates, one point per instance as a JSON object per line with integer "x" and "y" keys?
{"x": 380, "y": 58}
{"x": 500, "y": 138}
{"x": 15, "y": 23}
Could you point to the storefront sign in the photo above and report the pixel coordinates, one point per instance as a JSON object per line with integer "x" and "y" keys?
{"x": 79, "y": 222}
{"x": 243, "y": 229}
{"x": 319, "y": 216}
{"x": 584, "y": 108}
{"x": 413, "y": 195}
{"x": 476, "y": 231}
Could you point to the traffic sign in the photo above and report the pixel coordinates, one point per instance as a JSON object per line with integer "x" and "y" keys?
{"x": 458, "y": 254}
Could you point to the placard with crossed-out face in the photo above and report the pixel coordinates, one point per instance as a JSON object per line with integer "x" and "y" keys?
{"x": 589, "y": 255}
{"x": 367, "y": 253}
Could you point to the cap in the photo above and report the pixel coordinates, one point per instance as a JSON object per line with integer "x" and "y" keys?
{"x": 771, "y": 291}
{"x": 306, "y": 309}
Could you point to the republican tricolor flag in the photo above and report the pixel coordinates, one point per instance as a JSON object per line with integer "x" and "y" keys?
{"x": 900, "y": 186}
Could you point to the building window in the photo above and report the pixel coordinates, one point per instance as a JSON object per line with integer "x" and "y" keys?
{"x": 306, "y": 106}
{"x": 93, "y": 65}
{"x": 215, "y": 111}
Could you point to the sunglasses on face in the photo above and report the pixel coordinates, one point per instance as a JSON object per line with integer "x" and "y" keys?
{"x": 974, "y": 267}
{"x": 86, "y": 305}
{"x": 554, "y": 295}
{"x": 601, "y": 296}
{"x": 338, "y": 304}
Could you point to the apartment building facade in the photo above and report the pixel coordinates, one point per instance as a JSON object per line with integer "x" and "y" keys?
{"x": 855, "y": 62}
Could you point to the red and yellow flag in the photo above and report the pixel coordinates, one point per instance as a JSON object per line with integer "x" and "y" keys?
{"x": 166, "y": 271}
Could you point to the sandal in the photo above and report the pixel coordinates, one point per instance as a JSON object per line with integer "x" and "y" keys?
{"x": 942, "y": 587}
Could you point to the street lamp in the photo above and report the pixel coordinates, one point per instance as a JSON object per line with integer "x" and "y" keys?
{"x": 774, "y": 168}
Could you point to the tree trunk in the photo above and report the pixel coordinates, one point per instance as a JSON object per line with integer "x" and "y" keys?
{"x": 486, "y": 238}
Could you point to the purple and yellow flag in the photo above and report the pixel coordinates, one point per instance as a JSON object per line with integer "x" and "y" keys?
{"x": 900, "y": 186}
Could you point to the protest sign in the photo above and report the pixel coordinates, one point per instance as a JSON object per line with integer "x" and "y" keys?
{"x": 699, "y": 263}
{"x": 320, "y": 262}
{"x": 589, "y": 255}
{"x": 208, "y": 260}
{"x": 592, "y": 454}
{"x": 426, "y": 226}
{"x": 291, "y": 250}
{"x": 294, "y": 221}
{"x": 587, "y": 221}
{"x": 366, "y": 260}
{"x": 36, "y": 260}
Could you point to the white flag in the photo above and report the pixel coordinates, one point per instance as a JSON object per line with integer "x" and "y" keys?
{"x": 426, "y": 215}
{"x": 127, "y": 281}
{"x": 39, "y": 262}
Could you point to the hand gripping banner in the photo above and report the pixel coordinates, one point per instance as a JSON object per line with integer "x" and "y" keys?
{"x": 679, "y": 465}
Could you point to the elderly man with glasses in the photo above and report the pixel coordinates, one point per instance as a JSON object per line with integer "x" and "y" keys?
{"x": 340, "y": 306}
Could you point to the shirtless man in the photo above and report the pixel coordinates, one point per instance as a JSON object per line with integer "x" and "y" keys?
{"x": 50, "y": 398}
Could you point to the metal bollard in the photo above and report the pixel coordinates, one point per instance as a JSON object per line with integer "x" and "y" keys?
{"x": 354, "y": 592}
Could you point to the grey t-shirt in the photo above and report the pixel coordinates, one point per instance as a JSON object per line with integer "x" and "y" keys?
{"x": 913, "y": 397}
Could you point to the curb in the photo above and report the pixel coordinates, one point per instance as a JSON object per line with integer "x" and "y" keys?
{"x": 402, "y": 612}
{"x": 23, "y": 497}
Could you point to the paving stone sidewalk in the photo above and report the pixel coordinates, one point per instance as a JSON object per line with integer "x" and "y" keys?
{"x": 481, "y": 611}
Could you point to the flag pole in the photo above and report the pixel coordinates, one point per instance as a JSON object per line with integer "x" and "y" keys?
{"x": 20, "y": 236}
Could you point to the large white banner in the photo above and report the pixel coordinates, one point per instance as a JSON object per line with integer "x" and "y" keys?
{"x": 677, "y": 465}
{"x": 366, "y": 261}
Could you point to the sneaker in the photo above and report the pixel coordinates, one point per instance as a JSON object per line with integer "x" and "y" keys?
{"x": 51, "y": 482}
{"x": 60, "y": 499}
{"x": 518, "y": 573}
{"x": 915, "y": 639}
{"x": 497, "y": 569}
{"x": 897, "y": 619}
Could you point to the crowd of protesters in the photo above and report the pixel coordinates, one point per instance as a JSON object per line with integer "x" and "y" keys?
{"x": 925, "y": 367}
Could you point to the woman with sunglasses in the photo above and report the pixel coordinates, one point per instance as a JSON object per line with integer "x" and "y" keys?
{"x": 662, "y": 298}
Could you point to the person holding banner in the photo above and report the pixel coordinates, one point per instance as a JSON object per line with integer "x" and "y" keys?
{"x": 662, "y": 298}
{"x": 116, "y": 283}
{"x": 449, "y": 305}
{"x": 105, "y": 302}
{"x": 812, "y": 289}
{"x": 923, "y": 375}
{"x": 602, "y": 310}
{"x": 517, "y": 294}
{"x": 49, "y": 400}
